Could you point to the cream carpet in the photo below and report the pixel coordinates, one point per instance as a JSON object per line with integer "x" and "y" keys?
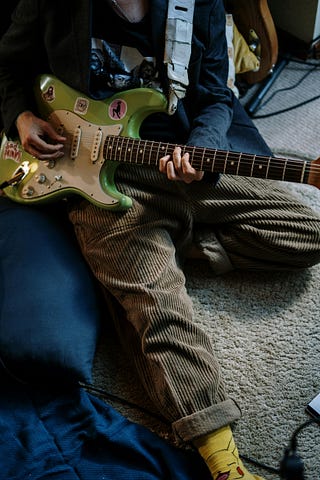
{"x": 265, "y": 326}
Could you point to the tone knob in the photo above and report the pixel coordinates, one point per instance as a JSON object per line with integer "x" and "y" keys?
{"x": 28, "y": 191}
{"x": 41, "y": 178}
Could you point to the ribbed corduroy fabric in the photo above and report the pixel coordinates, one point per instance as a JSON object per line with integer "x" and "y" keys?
{"x": 240, "y": 223}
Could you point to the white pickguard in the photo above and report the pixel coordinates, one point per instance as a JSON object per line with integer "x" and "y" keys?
{"x": 79, "y": 169}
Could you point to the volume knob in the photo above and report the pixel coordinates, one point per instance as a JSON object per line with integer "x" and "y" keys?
{"x": 41, "y": 178}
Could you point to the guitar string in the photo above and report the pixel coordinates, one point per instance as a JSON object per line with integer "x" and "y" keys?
{"x": 224, "y": 156}
{"x": 221, "y": 162}
{"x": 199, "y": 154}
{"x": 219, "y": 155}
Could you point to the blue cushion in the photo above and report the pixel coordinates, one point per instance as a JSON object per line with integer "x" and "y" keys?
{"x": 49, "y": 308}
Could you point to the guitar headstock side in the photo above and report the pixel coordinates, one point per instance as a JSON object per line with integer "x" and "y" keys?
{"x": 314, "y": 173}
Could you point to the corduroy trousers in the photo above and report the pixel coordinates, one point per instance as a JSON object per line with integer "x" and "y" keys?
{"x": 136, "y": 254}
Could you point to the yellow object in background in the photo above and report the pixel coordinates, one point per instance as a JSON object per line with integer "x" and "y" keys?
{"x": 244, "y": 59}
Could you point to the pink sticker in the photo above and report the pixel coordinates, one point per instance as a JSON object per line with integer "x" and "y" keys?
{"x": 117, "y": 109}
{"x": 12, "y": 152}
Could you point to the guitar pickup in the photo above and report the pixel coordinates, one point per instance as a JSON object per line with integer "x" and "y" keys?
{"x": 75, "y": 143}
{"x": 96, "y": 145}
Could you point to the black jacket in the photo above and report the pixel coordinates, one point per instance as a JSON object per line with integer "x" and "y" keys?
{"x": 55, "y": 37}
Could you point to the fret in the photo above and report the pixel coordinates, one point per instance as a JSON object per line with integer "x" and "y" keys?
{"x": 245, "y": 165}
{"x": 131, "y": 149}
{"x": 221, "y": 163}
{"x": 111, "y": 147}
{"x": 202, "y": 160}
{"x": 191, "y": 152}
{"x": 284, "y": 169}
{"x": 260, "y": 167}
{"x": 118, "y": 155}
{"x": 225, "y": 163}
{"x": 122, "y": 148}
{"x": 214, "y": 161}
{"x": 239, "y": 162}
{"x": 268, "y": 168}
{"x": 233, "y": 163}
{"x": 252, "y": 166}
{"x": 126, "y": 151}
{"x": 157, "y": 156}
{"x": 276, "y": 166}
{"x": 303, "y": 172}
{"x": 143, "y": 152}
{"x": 137, "y": 150}
{"x": 105, "y": 147}
{"x": 150, "y": 153}
{"x": 295, "y": 171}
{"x": 115, "y": 146}
{"x": 163, "y": 149}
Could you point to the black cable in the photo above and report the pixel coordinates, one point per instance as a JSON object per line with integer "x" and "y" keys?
{"x": 287, "y": 89}
{"x": 288, "y": 109}
{"x": 92, "y": 388}
{"x": 293, "y": 442}
{"x": 123, "y": 401}
{"x": 256, "y": 463}
{"x": 278, "y": 112}
{"x": 17, "y": 177}
{"x": 291, "y": 465}
{"x": 9, "y": 372}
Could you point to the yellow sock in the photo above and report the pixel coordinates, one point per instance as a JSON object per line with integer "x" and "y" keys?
{"x": 220, "y": 453}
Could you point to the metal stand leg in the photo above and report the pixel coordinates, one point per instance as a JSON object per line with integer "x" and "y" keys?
{"x": 253, "y": 104}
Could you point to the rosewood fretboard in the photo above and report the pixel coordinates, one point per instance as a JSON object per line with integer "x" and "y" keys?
{"x": 146, "y": 152}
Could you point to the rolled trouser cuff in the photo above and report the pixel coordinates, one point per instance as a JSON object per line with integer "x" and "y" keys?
{"x": 206, "y": 421}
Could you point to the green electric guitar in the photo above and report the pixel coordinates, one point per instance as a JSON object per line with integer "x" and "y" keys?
{"x": 100, "y": 135}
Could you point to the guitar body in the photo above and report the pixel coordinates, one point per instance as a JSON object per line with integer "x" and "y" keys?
{"x": 85, "y": 123}
{"x": 255, "y": 15}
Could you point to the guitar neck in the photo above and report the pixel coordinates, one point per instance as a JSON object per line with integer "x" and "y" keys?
{"x": 146, "y": 152}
